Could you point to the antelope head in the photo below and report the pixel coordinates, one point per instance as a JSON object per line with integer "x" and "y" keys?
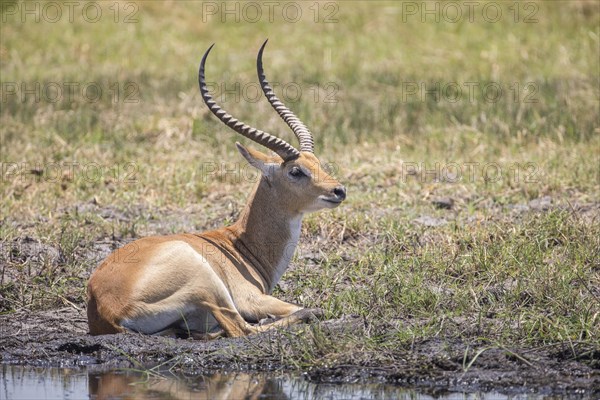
{"x": 296, "y": 176}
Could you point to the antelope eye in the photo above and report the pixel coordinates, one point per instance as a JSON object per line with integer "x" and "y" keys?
{"x": 296, "y": 172}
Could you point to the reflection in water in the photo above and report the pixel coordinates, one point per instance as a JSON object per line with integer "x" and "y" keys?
{"x": 217, "y": 386}
{"x": 17, "y": 383}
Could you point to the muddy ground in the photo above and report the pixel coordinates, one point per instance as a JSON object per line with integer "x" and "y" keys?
{"x": 59, "y": 338}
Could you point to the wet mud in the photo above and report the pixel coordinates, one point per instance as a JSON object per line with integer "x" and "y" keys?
{"x": 59, "y": 338}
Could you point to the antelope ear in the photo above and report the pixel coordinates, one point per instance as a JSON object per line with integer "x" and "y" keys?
{"x": 258, "y": 160}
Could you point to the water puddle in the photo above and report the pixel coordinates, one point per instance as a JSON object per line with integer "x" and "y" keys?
{"x": 26, "y": 383}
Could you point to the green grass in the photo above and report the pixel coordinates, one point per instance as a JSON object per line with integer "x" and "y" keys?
{"x": 494, "y": 271}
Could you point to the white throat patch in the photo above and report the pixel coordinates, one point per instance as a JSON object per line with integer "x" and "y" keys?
{"x": 288, "y": 251}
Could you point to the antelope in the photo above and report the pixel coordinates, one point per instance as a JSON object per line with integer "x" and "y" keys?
{"x": 219, "y": 282}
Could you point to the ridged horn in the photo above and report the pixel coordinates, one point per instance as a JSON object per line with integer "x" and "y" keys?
{"x": 279, "y": 146}
{"x": 300, "y": 130}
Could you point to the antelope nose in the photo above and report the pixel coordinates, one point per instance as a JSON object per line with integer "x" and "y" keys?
{"x": 340, "y": 192}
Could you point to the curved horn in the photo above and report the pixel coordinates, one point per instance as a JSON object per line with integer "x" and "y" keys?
{"x": 279, "y": 146}
{"x": 300, "y": 130}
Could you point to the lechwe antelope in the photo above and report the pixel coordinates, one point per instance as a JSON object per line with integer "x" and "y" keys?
{"x": 194, "y": 284}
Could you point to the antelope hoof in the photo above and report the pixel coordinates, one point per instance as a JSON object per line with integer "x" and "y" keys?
{"x": 267, "y": 321}
{"x": 311, "y": 314}
{"x": 208, "y": 336}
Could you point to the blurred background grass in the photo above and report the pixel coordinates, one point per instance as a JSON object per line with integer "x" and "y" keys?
{"x": 141, "y": 149}
{"x": 356, "y": 65}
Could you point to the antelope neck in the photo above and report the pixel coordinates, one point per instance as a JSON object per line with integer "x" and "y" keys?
{"x": 267, "y": 235}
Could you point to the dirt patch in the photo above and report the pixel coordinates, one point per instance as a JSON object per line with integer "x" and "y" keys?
{"x": 59, "y": 338}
